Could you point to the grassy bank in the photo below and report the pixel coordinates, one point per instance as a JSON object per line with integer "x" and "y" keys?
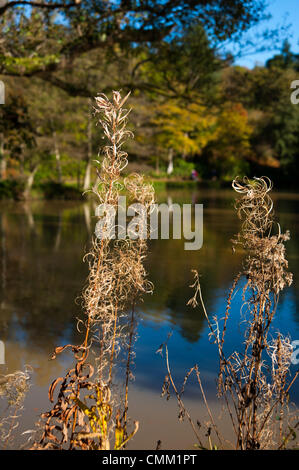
{"x": 14, "y": 189}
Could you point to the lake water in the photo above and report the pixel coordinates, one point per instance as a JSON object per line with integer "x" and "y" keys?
{"x": 41, "y": 274}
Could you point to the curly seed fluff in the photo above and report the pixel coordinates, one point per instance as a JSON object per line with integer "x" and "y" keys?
{"x": 265, "y": 268}
{"x": 256, "y": 393}
{"x": 13, "y": 390}
{"x": 266, "y": 265}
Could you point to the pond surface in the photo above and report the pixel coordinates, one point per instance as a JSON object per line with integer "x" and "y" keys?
{"x": 42, "y": 273}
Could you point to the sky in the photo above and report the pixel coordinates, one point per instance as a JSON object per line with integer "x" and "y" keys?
{"x": 283, "y": 12}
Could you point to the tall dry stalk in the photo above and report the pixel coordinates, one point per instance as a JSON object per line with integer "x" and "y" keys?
{"x": 254, "y": 382}
{"x": 87, "y": 414}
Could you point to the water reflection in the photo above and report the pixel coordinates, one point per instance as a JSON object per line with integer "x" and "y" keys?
{"x": 42, "y": 246}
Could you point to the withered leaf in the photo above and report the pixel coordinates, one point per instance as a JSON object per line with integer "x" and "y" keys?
{"x": 59, "y": 349}
{"x": 52, "y": 388}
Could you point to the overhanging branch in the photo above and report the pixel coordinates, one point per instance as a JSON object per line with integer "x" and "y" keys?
{"x": 5, "y": 5}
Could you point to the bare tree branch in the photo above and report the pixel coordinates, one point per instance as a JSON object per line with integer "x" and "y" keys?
{"x": 5, "y": 5}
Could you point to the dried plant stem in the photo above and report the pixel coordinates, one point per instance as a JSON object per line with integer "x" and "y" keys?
{"x": 257, "y": 390}
{"x": 207, "y": 406}
{"x": 128, "y": 365}
{"x": 181, "y": 403}
{"x": 116, "y": 279}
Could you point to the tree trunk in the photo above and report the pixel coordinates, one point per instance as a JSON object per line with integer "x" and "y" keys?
{"x": 58, "y": 158}
{"x": 30, "y": 218}
{"x": 87, "y": 176}
{"x": 170, "y": 161}
{"x": 29, "y": 182}
{"x": 86, "y": 184}
{"x": 157, "y": 164}
{"x": 58, "y": 234}
{"x": 22, "y": 160}
{"x": 87, "y": 216}
{"x": 3, "y": 261}
{"x": 3, "y": 162}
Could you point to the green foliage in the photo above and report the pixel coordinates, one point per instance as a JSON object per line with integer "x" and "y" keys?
{"x": 183, "y": 66}
{"x": 233, "y": 166}
{"x": 15, "y": 125}
{"x": 11, "y": 189}
{"x": 183, "y": 169}
{"x": 184, "y": 127}
{"x": 53, "y": 190}
{"x": 185, "y": 184}
{"x": 191, "y": 108}
{"x": 285, "y": 60}
{"x": 55, "y": 41}
{"x": 26, "y": 65}
{"x": 45, "y": 171}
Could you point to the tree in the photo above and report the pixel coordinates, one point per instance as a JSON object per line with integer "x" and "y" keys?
{"x": 184, "y": 67}
{"x": 265, "y": 93}
{"x": 181, "y": 129}
{"x": 38, "y": 41}
{"x": 16, "y": 131}
{"x": 286, "y": 59}
{"x": 229, "y": 149}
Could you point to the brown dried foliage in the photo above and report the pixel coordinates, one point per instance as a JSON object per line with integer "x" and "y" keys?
{"x": 255, "y": 392}
{"x": 87, "y": 414}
